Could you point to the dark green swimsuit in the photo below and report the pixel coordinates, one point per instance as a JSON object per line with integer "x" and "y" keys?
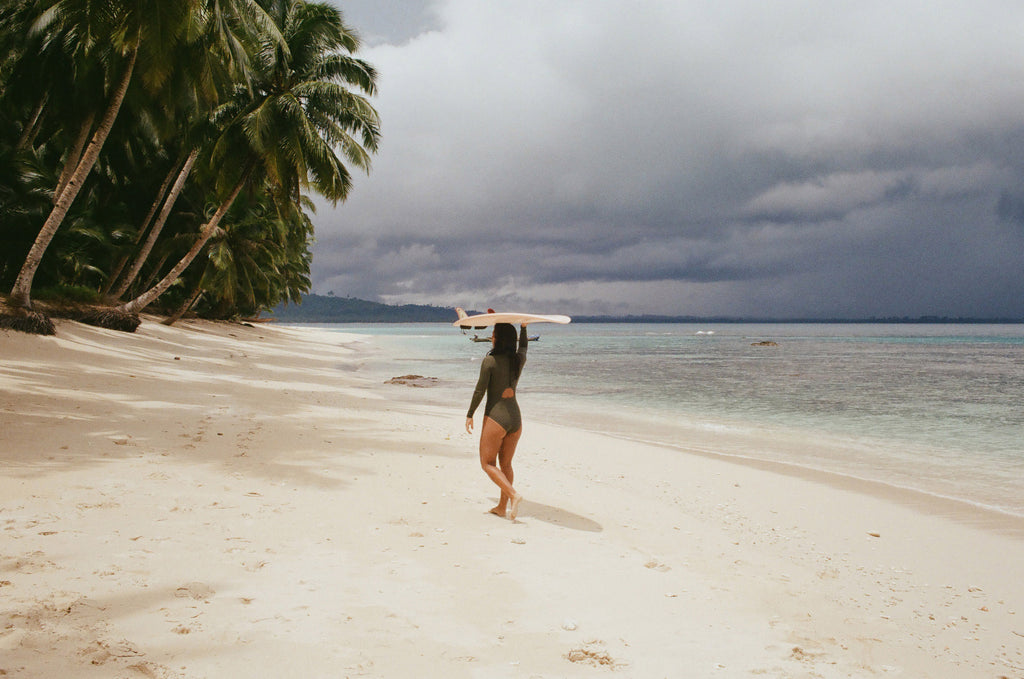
{"x": 495, "y": 378}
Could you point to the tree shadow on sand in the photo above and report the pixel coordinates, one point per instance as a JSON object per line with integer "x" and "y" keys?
{"x": 558, "y": 517}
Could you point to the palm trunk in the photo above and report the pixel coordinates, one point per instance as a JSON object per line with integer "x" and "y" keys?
{"x": 158, "y": 226}
{"x": 122, "y": 261}
{"x": 146, "y": 298}
{"x": 154, "y": 275}
{"x": 30, "y": 131}
{"x": 74, "y": 157}
{"x": 176, "y": 316}
{"x": 21, "y": 294}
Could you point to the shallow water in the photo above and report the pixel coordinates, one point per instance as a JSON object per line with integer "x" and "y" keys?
{"x": 936, "y": 408}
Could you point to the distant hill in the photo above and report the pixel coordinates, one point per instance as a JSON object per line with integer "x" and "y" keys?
{"x": 330, "y": 309}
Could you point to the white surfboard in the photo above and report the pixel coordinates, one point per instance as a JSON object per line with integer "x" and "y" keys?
{"x": 514, "y": 317}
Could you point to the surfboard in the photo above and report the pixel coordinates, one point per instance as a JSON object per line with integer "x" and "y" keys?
{"x": 514, "y": 317}
{"x": 478, "y": 338}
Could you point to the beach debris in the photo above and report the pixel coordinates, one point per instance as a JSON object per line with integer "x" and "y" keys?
{"x": 656, "y": 565}
{"x": 414, "y": 381}
{"x": 765, "y": 343}
{"x": 802, "y": 654}
{"x": 518, "y": 541}
{"x": 590, "y": 656}
{"x": 875, "y": 535}
{"x": 569, "y": 625}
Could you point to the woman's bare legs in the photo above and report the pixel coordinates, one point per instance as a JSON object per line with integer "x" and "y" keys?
{"x": 498, "y": 447}
{"x": 505, "y": 455}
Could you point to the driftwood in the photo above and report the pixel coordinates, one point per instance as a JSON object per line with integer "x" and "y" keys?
{"x": 414, "y": 381}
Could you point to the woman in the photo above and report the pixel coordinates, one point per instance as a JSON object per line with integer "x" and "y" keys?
{"x": 503, "y": 425}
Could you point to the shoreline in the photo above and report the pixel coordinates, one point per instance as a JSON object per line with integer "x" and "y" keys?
{"x": 216, "y": 500}
{"x": 958, "y": 509}
{"x": 738, "y": 445}
{"x": 878, "y": 458}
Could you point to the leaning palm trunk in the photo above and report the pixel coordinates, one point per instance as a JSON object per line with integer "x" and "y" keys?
{"x": 146, "y": 298}
{"x": 191, "y": 302}
{"x": 21, "y": 293}
{"x": 157, "y": 227}
{"x": 161, "y": 194}
{"x": 29, "y": 133}
{"x": 115, "y": 274}
{"x": 74, "y": 157}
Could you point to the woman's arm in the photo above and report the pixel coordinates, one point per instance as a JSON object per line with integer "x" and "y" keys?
{"x": 481, "y": 385}
{"x": 524, "y": 343}
{"x": 479, "y": 391}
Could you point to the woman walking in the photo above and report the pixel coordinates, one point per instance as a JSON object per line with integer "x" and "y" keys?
{"x": 502, "y": 424}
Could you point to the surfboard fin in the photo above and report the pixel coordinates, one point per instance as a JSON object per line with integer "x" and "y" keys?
{"x": 461, "y": 313}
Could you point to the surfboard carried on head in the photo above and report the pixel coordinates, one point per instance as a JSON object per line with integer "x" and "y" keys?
{"x": 481, "y": 321}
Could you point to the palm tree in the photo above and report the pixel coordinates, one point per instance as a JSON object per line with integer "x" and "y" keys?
{"x": 123, "y": 34}
{"x": 112, "y": 36}
{"x": 241, "y": 260}
{"x": 196, "y": 89}
{"x": 281, "y": 135}
{"x": 261, "y": 258}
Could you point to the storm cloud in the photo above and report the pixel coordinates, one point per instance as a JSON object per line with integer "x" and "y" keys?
{"x": 703, "y": 158}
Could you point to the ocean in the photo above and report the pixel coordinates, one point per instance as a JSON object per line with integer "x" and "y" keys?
{"x": 933, "y": 408}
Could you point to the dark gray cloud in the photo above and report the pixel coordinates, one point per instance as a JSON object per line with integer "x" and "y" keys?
{"x": 736, "y": 158}
{"x": 387, "y": 21}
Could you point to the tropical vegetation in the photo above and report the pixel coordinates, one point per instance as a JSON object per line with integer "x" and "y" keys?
{"x": 161, "y": 155}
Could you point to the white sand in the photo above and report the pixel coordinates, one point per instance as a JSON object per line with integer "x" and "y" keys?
{"x": 224, "y": 501}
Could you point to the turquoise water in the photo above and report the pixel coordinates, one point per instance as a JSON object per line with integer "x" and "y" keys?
{"x": 937, "y": 408}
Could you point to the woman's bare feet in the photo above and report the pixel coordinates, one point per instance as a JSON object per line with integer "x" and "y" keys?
{"x": 497, "y": 511}
{"x": 516, "y": 499}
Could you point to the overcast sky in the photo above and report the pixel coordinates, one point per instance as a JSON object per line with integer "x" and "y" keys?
{"x": 710, "y": 157}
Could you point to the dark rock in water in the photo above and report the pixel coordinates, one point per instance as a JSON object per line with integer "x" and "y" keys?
{"x": 765, "y": 343}
{"x": 414, "y": 381}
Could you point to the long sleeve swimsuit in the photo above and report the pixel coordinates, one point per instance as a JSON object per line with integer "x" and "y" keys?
{"x": 495, "y": 377}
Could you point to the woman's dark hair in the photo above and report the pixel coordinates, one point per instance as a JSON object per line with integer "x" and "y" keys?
{"x": 506, "y": 343}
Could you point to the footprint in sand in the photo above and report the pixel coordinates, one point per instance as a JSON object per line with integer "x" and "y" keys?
{"x": 32, "y": 562}
{"x": 100, "y": 652}
{"x": 195, "y": 590}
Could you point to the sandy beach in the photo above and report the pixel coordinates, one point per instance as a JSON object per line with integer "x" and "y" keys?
{"x": 222, "y": 500}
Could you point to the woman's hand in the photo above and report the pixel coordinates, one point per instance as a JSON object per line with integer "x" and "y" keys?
{"x": 469, "y": 425}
